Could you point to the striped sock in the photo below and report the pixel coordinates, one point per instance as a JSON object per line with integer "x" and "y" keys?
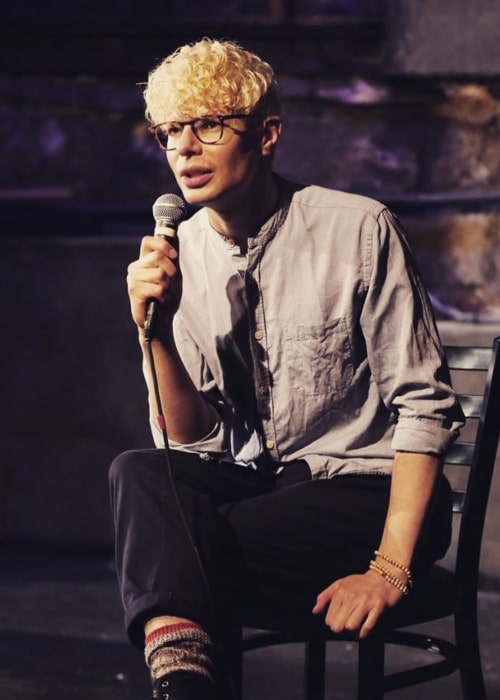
{"x": 183, "y": 646}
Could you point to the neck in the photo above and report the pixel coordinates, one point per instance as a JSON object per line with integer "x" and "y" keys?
{"x": 243, "y": 220}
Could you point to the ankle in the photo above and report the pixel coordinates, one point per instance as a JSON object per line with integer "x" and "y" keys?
{"x": 182, "y": 646}
{"x": 162, "y": 621}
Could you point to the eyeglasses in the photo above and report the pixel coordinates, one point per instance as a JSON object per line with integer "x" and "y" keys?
{"x": 208, "y": 130}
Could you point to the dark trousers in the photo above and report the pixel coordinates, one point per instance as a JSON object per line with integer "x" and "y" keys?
{"x": 259, "y": 536}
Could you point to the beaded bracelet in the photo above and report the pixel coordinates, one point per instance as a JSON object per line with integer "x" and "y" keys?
{"x": 399, "y": 566}
{"x": 394, "y": 580}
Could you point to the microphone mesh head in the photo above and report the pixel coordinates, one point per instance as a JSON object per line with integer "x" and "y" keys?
{"x": 170, "y": 209}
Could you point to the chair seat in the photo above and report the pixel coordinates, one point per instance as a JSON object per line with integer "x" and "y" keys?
{"x": 434, "y": 596}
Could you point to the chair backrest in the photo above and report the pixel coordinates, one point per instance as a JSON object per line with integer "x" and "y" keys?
{"x": 475, "y": 451}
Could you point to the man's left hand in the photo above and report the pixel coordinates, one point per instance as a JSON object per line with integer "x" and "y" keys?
{"x": 356, "y": 602}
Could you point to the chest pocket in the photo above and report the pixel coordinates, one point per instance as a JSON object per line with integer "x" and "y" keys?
{"x": 319, "y": 360}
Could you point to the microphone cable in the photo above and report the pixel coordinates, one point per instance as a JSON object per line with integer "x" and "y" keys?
{"x": 218, "y": 645}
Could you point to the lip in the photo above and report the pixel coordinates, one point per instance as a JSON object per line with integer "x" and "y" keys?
{"x": 194, "y": 178}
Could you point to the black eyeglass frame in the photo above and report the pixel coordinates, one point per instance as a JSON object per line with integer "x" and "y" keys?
{"x": 192, "y": 123}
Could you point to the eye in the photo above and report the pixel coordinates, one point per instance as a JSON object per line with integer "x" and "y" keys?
{"x": 208, "y": 124}
{"x": 172, "y": 129}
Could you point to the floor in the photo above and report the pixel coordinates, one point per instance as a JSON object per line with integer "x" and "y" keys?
{"x": 61, "y": 637}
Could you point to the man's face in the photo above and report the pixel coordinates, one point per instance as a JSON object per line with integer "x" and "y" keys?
{"x": 223, "y": 174}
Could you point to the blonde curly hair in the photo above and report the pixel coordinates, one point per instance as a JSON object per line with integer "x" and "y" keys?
{"x": 210, "y": 77}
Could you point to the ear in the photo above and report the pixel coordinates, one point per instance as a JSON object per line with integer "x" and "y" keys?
{"x": 270, "y": 134}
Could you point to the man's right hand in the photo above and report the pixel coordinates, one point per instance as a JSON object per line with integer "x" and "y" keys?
{"x": 155, "y": 275}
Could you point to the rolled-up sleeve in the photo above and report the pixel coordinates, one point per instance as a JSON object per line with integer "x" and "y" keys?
{"x": 404, "y": 350}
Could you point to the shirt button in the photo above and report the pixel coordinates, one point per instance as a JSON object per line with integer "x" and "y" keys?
{"x": 270, "y": 444}
{"x": 263, "y": 390}
{"x": 258, "y": 335}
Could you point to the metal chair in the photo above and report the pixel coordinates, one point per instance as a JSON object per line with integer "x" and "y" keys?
{"x": 446, "y": 592}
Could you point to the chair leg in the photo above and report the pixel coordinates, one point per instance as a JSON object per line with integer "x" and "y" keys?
{"x": 315, "y": 663}
{"x": 371, "y": 657}
{"x": 469, "y": 654}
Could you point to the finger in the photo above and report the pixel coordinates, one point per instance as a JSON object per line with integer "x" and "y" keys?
{"x": 355, "y": 621}
{"x": 346, "y": 612}
{"x": 370, "y": 622}
{"x": 156, "y": 258}
{"x": 319, "y": 606}
{"x": 160, "y": 244}
{"x": 322, "y": 600}
{"x": 145, "y": 291}
{"x": 140, "y": 275}
{"x": 144, "y": 283}
{"x": 152, "y": 268}
{"x": 337, "y": 616}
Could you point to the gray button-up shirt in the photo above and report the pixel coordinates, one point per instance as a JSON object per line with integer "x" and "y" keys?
{"x": 319, "y": 344}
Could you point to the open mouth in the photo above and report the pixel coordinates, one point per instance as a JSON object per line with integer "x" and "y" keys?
{"x": 195, "y": 177}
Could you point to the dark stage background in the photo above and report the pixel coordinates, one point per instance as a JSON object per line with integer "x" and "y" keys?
{"x": 397, "y": 100}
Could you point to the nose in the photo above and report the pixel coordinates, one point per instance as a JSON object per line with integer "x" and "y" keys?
{"x": 188, "y": 142}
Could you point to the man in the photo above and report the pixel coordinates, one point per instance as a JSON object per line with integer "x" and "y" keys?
{"x": 302, "y": 383}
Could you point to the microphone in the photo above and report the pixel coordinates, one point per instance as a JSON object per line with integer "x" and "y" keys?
{"x": 168, "y": 212}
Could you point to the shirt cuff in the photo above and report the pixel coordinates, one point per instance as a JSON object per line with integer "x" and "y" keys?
{"x": 423, "y": 436}
{"x": 213, "y": 442}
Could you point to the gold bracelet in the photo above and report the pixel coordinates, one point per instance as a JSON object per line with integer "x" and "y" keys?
{"x": 394, "y": 580}
{"x": 399, "y": 566}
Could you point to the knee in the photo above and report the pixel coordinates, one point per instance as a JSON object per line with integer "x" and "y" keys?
{"x": 122, "y": 468}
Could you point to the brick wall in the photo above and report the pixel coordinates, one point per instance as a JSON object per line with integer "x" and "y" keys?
{"x": 78, "y": 175}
